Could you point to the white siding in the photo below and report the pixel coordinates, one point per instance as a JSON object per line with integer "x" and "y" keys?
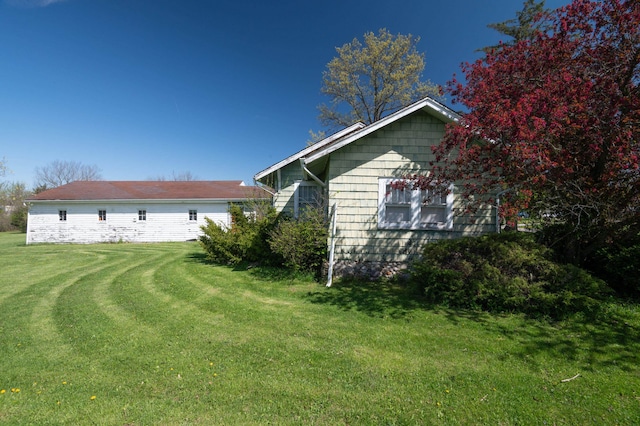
{"x": 165, "y": 221}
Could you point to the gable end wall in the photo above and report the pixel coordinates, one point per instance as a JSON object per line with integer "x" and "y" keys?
{"x": 398, "y": 149}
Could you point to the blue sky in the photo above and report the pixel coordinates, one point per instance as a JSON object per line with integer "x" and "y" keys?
{"x": 220, "y": 89}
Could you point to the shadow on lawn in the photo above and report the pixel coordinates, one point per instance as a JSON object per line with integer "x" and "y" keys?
{"x": 378, "y": 299}
{"x": 611, "y": 338}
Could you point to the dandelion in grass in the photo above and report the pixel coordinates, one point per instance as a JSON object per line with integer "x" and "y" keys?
{"x": 446, "y": 390}
{"x": 3, "y": 391}
{"x": 64, "y": 383}
{"x": 15, "y": 390}
{"x": 93, "y": 398}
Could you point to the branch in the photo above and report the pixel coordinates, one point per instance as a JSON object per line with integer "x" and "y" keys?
{"x": 570, "y": 378}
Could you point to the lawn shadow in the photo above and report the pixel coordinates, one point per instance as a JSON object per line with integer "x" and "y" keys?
{"x": 199, "y": 257}
{"x": 257, "y": 271}
{"x": 604, "y": 339}
{"x": 375, "y": 298}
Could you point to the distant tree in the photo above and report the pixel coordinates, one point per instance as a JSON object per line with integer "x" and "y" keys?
{"x": 59, "y": 173}
{"x": 555, "y": 124}
{"x": 367, "y": 82}
{"x": 184, "y": 176}
{"x": 3, "y": 167}
{"x": 13, "y": 212}
{"x": 533, "y": 18}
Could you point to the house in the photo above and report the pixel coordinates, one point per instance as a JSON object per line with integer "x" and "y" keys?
{"x": 132, "y": 211}
{"x": 353, "y": 170}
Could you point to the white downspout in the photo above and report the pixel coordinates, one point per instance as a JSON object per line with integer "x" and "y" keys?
{"x": 314, "y": 177}
{"x": 334, "y": 213}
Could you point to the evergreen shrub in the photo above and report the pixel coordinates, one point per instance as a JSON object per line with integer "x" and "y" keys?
{"x": 507, "y": 272}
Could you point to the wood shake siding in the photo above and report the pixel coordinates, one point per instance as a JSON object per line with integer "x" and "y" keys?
{"x": 398, "y": 149}
{"x": 356, "y": 164}
{"x": 284, "y": 199}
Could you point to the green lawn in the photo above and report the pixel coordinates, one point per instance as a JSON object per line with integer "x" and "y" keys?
{"x": 128, "y": 334}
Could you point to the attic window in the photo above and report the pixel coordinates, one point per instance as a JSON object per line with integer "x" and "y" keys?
{"x": 62, "y": 215}
{"x": 193, "y": 215}
{"x": 414, "y": 208}
{"x": 102, "y": 215}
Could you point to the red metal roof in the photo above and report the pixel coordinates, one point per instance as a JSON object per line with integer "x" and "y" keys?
{"x": 151, "y": 190}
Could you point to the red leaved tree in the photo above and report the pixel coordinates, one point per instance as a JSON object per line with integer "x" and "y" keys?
{"x": 554, "y": 124}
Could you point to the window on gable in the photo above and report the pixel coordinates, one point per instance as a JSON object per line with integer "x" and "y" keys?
{"x": 62, "y": 215}
{"x": 102, "y": 215}
{"x": 142, "y": 215}
{"x": 193, "y": 215}
{"x": 413, "y": 208}
{"x": 307, "y": 195}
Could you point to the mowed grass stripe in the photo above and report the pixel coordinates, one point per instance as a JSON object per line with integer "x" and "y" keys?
{"x": 33, "y": 297}
{"x": 84, "y": 317}
{"x": 41, "y": 265}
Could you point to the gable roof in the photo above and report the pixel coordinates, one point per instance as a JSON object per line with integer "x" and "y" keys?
{"x": 360, "y": 130}
{"x": 150, "y": 190}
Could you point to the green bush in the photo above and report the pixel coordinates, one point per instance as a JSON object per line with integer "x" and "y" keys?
{"x": 302, "y": 242}
{"x": 506, "y": 272}
{"x": 245, "y": 241}
{"x": 619, "y": 266}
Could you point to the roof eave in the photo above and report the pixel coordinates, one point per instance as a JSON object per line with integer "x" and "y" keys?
{"x": 309, "y": 150}
{"x": 142, "y": 200}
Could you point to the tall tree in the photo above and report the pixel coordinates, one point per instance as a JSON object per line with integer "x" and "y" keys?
{"x": 555, "y": 124}
{"x": 528, "y": 22}
{"x": 59, "y": 173}
{"x": 368, "y": 81}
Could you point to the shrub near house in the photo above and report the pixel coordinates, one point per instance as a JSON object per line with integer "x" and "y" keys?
{"x": 506, "y": 272}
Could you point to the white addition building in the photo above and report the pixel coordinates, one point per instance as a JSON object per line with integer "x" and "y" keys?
{"x": 132, "y": 211}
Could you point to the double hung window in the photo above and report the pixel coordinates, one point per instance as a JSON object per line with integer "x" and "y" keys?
{"x": 406, "y": 208}
{"x": 307, "y": 195}
{"x": 193, "y": 215}
{"x": 102, "y": 215}
{"x": 62, "y": 215}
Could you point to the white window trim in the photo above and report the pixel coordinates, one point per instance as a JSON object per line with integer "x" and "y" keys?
{"x": 296, "y": 194}
{"x": 415, "y": 209}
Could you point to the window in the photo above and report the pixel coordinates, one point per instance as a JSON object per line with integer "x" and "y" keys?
{"x": 142, "y": 215}
{"x": 62, "y": 215}
{"x": 414, "y": 209}
{"x": 307, "y": 194}
{"x": 193, "y": 214}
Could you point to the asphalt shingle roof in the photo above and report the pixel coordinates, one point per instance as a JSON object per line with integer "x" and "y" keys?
{"x": 151, "y": 190}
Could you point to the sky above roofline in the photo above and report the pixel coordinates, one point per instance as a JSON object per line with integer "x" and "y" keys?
{"x": 145, "y": 89}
